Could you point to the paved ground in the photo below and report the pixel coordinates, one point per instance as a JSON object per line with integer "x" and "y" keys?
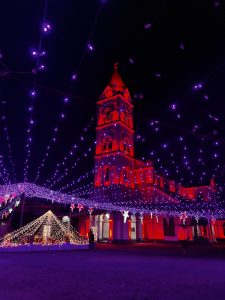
{"x": 114, "y": 272}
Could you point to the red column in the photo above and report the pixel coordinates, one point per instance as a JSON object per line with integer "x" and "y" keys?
{"x": 129, "y": 229}
{"x": 110, "y": 229}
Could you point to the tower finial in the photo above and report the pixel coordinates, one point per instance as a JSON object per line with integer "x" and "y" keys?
{"x": 116, "y": 66}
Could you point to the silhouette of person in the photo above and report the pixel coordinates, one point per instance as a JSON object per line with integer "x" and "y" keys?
{"x": 91, "y": 239}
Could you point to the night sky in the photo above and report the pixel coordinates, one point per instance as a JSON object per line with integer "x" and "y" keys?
{"x": 171, "y": 56}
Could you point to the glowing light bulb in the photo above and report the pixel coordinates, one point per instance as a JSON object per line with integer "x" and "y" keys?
{"x": 173, "y": 106}
{"x": 90, "y": 47}
{"x": 74, "y": 76}
{"x": 33, "y": 93}
{"x": 46, "y": 27}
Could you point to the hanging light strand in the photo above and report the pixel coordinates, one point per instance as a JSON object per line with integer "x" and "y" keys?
{"x": 36, "y": 54}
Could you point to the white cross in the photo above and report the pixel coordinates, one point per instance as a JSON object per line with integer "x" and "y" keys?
{"x": 125, "y": 215}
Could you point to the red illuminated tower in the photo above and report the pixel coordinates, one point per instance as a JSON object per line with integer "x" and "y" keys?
{"x": 114, "y": 160}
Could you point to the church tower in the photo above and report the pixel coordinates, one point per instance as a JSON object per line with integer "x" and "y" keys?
{"x": 114, "y": 159}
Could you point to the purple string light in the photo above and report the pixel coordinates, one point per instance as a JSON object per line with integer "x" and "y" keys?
{"x": 7, "y": 138}
{"x": 37, "y": 54}
{"x": 66, "y": 100}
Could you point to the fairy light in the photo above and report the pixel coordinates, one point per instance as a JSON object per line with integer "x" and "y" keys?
{"x": 137, "y": 202}
{"x": 37, "y": 54}
{"x": 46, "y": 230}
{"x": 198, "y": 86}
{"x": 73, "y": 166}
{"x": 4, "y": 174}
{"x": 7, "y": 138}
{"x": 7, "y": 204}
{"x": 46, "y": 27}
{"x": 90, "y": 47}
{"x": 60, "y": 166}
{"x": 76, "y": 181}
{"x": 186, "y": 163}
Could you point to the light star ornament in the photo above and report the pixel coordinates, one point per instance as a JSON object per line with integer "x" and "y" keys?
{"x": 72, "y": 206}
{"x": 90, "y": 210}
{"x": 80, "y": 207}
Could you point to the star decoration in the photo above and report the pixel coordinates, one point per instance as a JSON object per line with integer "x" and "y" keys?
{"x": 90, "y": 210}
{"x": 72, "y": 206}
{"x": 80, "y": 207}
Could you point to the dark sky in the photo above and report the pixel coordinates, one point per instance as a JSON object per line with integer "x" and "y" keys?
{"x": 164, "y": 48}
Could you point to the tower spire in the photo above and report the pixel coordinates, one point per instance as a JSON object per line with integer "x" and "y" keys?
{"x": 116, "y": 66}
{"x": 116, "y": 86}
{"x": 116, "y": 82}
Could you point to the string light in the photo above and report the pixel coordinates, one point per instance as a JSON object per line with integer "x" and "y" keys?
{"x": 8, "y": 203}
{"x": 37, "y": 54}
{"x": 60, "y": 166}
{"x": 74, "y": 77}
{"x": 180, "y": 161}
{"x": 46, "y": 230}
{"x": 133, "y": 201}
{"x": 7, "y": 138}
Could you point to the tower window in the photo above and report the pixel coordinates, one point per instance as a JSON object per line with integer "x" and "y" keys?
{"x": 106, "y": 174}
{"x": 108, "y": 115}
{"x": 125, "y": 175}
{"x": 107, "y": 144}
{"x": 165, "y": 227}
{"x": 126, "y": 145}
{"x": 124, "y": 116}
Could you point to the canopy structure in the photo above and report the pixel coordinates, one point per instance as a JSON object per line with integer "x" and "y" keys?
{"x": 114, "y": 198}
{"x": 46, "y": 230}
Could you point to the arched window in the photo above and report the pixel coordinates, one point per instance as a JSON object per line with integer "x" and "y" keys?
{"x": 165, "y": 227}
{"x": 107, "y": 172}
{"x": 200, "y": 196}
{"x": 204, "y": 231}
{"x": 224, "y": 228}
{"x": 124, "y": 116}
{"x": 125, "y": 175}
{"x": 108, "y": 114}
{"x": 107, "y": 144}
{"x": 171, "y": 227}
{"x": 126, "y": 147}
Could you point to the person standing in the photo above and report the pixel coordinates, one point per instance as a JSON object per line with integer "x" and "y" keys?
{"x": 91, "y": 239}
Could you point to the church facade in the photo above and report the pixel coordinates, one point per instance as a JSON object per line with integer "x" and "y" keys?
{"x": 116, "y": 168}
